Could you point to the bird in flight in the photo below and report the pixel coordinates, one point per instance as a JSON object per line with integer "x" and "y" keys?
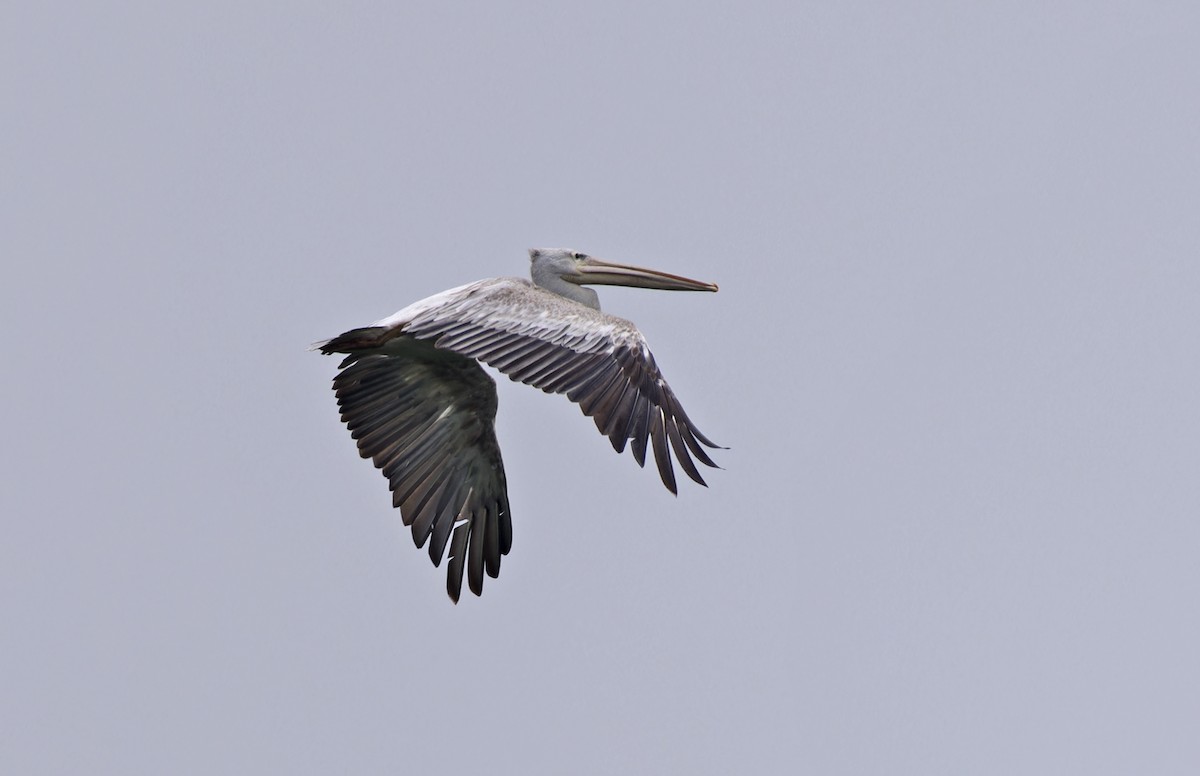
{"x": 413, "y": 394}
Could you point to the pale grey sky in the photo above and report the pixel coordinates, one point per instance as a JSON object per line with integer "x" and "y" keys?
{"x": 954, "y": 356}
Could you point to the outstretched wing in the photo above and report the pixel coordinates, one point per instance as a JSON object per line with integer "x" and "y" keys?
{"x": 426, "y": 418}
{"x": 423, "y": 410}
{"x": 599, "y": 361}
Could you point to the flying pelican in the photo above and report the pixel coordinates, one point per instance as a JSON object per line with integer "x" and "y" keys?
{"x": 413, "y": 394}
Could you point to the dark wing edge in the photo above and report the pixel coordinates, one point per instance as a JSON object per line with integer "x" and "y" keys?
{"x": 619, "y": 386}
{"x": 426, "y": 419}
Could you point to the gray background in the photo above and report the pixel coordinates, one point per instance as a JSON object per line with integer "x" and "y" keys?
{"x": 954, "y": 355}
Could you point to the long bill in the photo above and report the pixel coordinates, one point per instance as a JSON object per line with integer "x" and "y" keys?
{"x": 606, "y": 273}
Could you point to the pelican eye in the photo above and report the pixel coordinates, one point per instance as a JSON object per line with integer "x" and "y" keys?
{"x": 578, "y": 256}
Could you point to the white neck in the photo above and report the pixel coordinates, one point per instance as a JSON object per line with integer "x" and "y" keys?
{"x": 553, "y": 282}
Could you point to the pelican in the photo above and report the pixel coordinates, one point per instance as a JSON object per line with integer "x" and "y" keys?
{"x": 413, "y": 394}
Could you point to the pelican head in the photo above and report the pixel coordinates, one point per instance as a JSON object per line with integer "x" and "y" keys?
{"x": 564, "y": 272}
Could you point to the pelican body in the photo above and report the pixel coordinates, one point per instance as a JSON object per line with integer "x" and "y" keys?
{"x": 413, "y": 394}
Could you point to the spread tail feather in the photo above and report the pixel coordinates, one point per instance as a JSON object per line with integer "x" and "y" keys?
{"x": 354, "y": 340}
